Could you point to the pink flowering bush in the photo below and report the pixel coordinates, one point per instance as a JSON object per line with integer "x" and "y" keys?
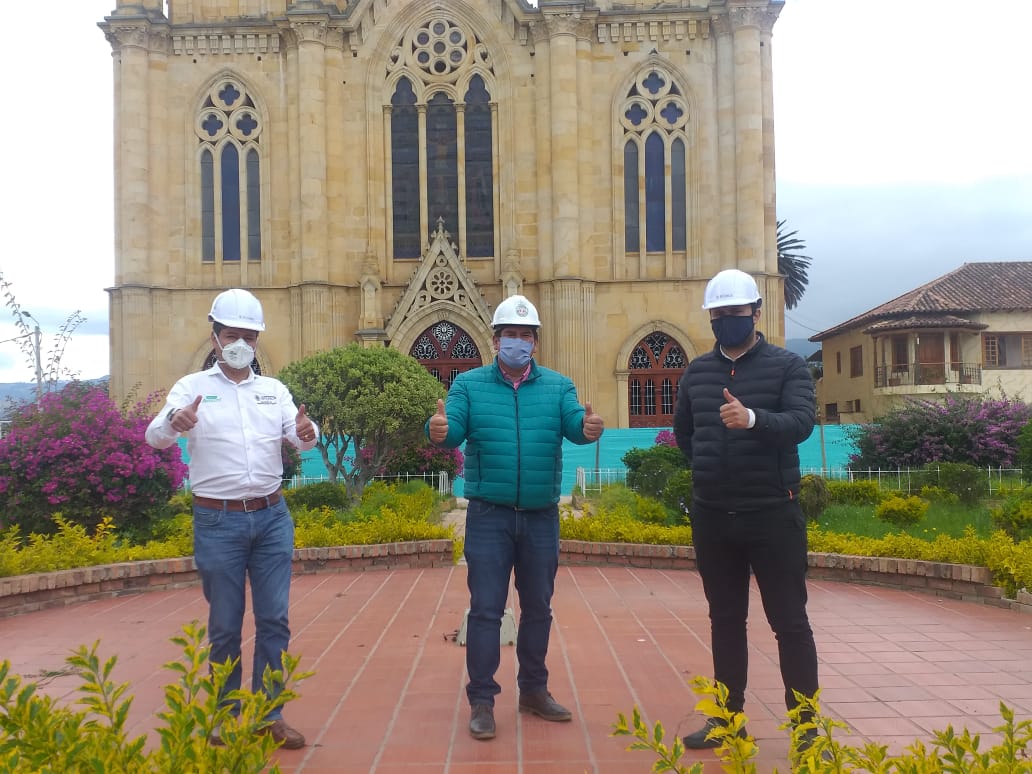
{"x": 665, "y": 438}
{"x": 79, "y": 456}
{"x": 421, "y": 457}
{"x": 975, "y": 430}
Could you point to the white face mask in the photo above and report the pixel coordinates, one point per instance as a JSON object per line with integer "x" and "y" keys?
{"x": 238, "y": 355}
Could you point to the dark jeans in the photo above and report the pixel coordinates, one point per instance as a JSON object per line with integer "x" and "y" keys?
{"x": 500, "y": 540}
{"x": 230, "y": 546}
{"x": 772, "y": 544}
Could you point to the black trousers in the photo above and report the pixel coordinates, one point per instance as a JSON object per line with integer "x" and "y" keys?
{"x": 771, "y": 545}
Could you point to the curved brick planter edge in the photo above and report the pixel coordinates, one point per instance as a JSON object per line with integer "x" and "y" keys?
{"x": 26, "y": 593}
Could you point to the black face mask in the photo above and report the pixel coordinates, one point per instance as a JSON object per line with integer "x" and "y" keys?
{"x": 732, "y": 331}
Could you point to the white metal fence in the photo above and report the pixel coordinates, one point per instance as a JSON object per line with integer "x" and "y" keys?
{"x": 903, "y": 479}
{"x": 440, "y": 480}
{"x": 592, "y": 480}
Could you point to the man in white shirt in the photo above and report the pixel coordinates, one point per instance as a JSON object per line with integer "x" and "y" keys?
{"x": 235, "y": 422}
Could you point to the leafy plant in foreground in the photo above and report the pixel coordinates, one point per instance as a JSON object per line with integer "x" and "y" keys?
{"x": 39, "y": 736}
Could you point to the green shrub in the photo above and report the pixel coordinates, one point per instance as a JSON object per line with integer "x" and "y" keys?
{"x": 322, "y": 494}
{"x": 936, "y": 494}
{"x": 1014, "y": 516}
{"x": 855, "y": 492}
{"x": 967, "y": 482}
{"x": 677, "y": 494}
{"x": 814, "y": 496}
{"x": 1024, "y": 456}
{"x": 650, "y": 511}
{"x": 649, "y": 469}
{"x": 38, "y": 734}
{"x": 901, "y": 511}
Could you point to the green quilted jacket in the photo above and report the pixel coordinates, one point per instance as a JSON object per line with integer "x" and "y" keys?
{"x": 514, "y": 438}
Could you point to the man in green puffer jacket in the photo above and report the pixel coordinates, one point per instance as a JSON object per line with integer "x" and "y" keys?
{"x": 513, "y": 416}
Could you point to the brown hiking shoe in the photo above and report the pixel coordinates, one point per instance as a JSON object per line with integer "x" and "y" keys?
{"x": 285, "y": 736}
{"x": 481, "y": 721}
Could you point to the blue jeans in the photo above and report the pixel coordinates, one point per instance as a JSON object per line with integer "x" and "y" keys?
{"x": 500, "y": 540}
{"x": 228, "y": 546}
{"x": 770, "y": 544}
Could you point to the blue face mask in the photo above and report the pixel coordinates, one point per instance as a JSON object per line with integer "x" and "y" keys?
{"x": 515, "y": 353}
{"x": 732, "y": 331}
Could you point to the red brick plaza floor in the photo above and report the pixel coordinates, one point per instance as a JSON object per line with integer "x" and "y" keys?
{"x": 388, "y": 695}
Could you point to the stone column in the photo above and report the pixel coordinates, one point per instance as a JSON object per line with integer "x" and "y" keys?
{"x": 312, "y": 312}
{"x": 749, "y": 171}
{"x": 310, "y": 34}
{"x": 562, "y": 26}
{"x": 724, "y": 94}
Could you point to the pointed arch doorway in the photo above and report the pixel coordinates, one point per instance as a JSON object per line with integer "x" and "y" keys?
{"x": 654, "y": 368}
{"x": 446, "y": 351}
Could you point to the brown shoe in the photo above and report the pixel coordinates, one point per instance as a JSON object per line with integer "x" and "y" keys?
{"x": 285, "y": 736}
{"x": 542, "y": 704}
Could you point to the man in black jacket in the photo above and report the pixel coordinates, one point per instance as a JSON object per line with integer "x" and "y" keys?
{"x": 742, "y": 409}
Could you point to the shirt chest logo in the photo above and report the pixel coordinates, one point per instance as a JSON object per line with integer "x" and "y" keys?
{"x": 265, "y": 400}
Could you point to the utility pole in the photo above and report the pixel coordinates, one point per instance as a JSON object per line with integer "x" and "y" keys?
{"x": 37, "y": 343}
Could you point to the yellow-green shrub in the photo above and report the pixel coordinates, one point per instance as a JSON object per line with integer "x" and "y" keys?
{"x": 39, "y": 734}
{"x": 900, "y": 510}
{"x": 855, "y": 492}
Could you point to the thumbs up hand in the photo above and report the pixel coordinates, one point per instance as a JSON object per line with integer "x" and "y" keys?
{"x": 183, "y": 420}
{"x": 593, "y": 424}
{"x": 439, "y": 424}
{"x": 303, "y": 425}
{"x": 733, "y": 414}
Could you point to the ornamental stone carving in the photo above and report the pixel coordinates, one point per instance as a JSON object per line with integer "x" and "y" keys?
{"x": 761, "y": 18}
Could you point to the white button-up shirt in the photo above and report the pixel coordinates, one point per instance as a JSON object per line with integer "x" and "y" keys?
{"x": 234, "y": 449}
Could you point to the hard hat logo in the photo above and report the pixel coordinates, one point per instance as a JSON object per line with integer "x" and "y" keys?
{"x": 521, "y": 310}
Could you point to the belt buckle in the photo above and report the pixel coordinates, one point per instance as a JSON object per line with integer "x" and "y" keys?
{"x": 245, "y": 501}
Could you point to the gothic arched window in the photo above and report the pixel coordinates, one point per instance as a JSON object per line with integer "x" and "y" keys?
{"x": 229, "y": 165}
{"x": 655, "y": 365}
{"x": 443, "y": 95}
{"x": 654, "y": 119}
{"x": 446, "y": 351}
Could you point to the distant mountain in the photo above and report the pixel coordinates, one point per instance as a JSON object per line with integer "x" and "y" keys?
{"x": 17, "y": 391}
{"x": 802, "y": 347}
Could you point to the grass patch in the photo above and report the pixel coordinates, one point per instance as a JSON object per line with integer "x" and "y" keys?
{"x": 949, "y": 519}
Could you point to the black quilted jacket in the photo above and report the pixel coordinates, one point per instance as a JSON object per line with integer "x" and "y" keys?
{"x": 743, "y": 470}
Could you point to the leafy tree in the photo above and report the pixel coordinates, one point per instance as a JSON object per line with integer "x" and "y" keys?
{"x": 78, "y": 455}
{"x": 972, "y": 429}
{"x": 793, "y": 264}
{"x": 368, "y": 403}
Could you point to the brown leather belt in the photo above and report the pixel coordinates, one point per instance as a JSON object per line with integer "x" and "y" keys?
{"x": 248, "y": 505}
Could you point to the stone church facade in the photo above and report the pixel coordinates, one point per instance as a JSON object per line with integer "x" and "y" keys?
{"x": 386, "y": 171}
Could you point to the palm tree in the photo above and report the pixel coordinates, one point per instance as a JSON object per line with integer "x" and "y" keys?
{"x": 793, "y": 265}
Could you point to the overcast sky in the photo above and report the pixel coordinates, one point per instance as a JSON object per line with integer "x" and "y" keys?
{"x": 902, "y": 134}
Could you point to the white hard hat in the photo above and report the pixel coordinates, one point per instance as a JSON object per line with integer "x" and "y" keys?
{"x": 515, "y": 310}
{"x": 237, "y": 308}
{"x": 730, "y": 287}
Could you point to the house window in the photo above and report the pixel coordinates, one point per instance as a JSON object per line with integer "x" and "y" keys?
{"x": 991, "y": 350}
{"x": 229, "y": 165}
{"x": 442, "y": 93}
{"x": 831, "y": 413}
{"x": 900, "y": 354}
{"x": 654, "y": 118}
{"x": 838, "y": 362}
{"x": 856, "y": 362}
{"x": 1007, "y": 350}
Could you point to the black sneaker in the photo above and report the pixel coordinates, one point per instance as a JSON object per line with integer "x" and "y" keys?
{"x": 481, "y": 721}
{"x": 701, "y": 739}
{"x": 542, "y": 704}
